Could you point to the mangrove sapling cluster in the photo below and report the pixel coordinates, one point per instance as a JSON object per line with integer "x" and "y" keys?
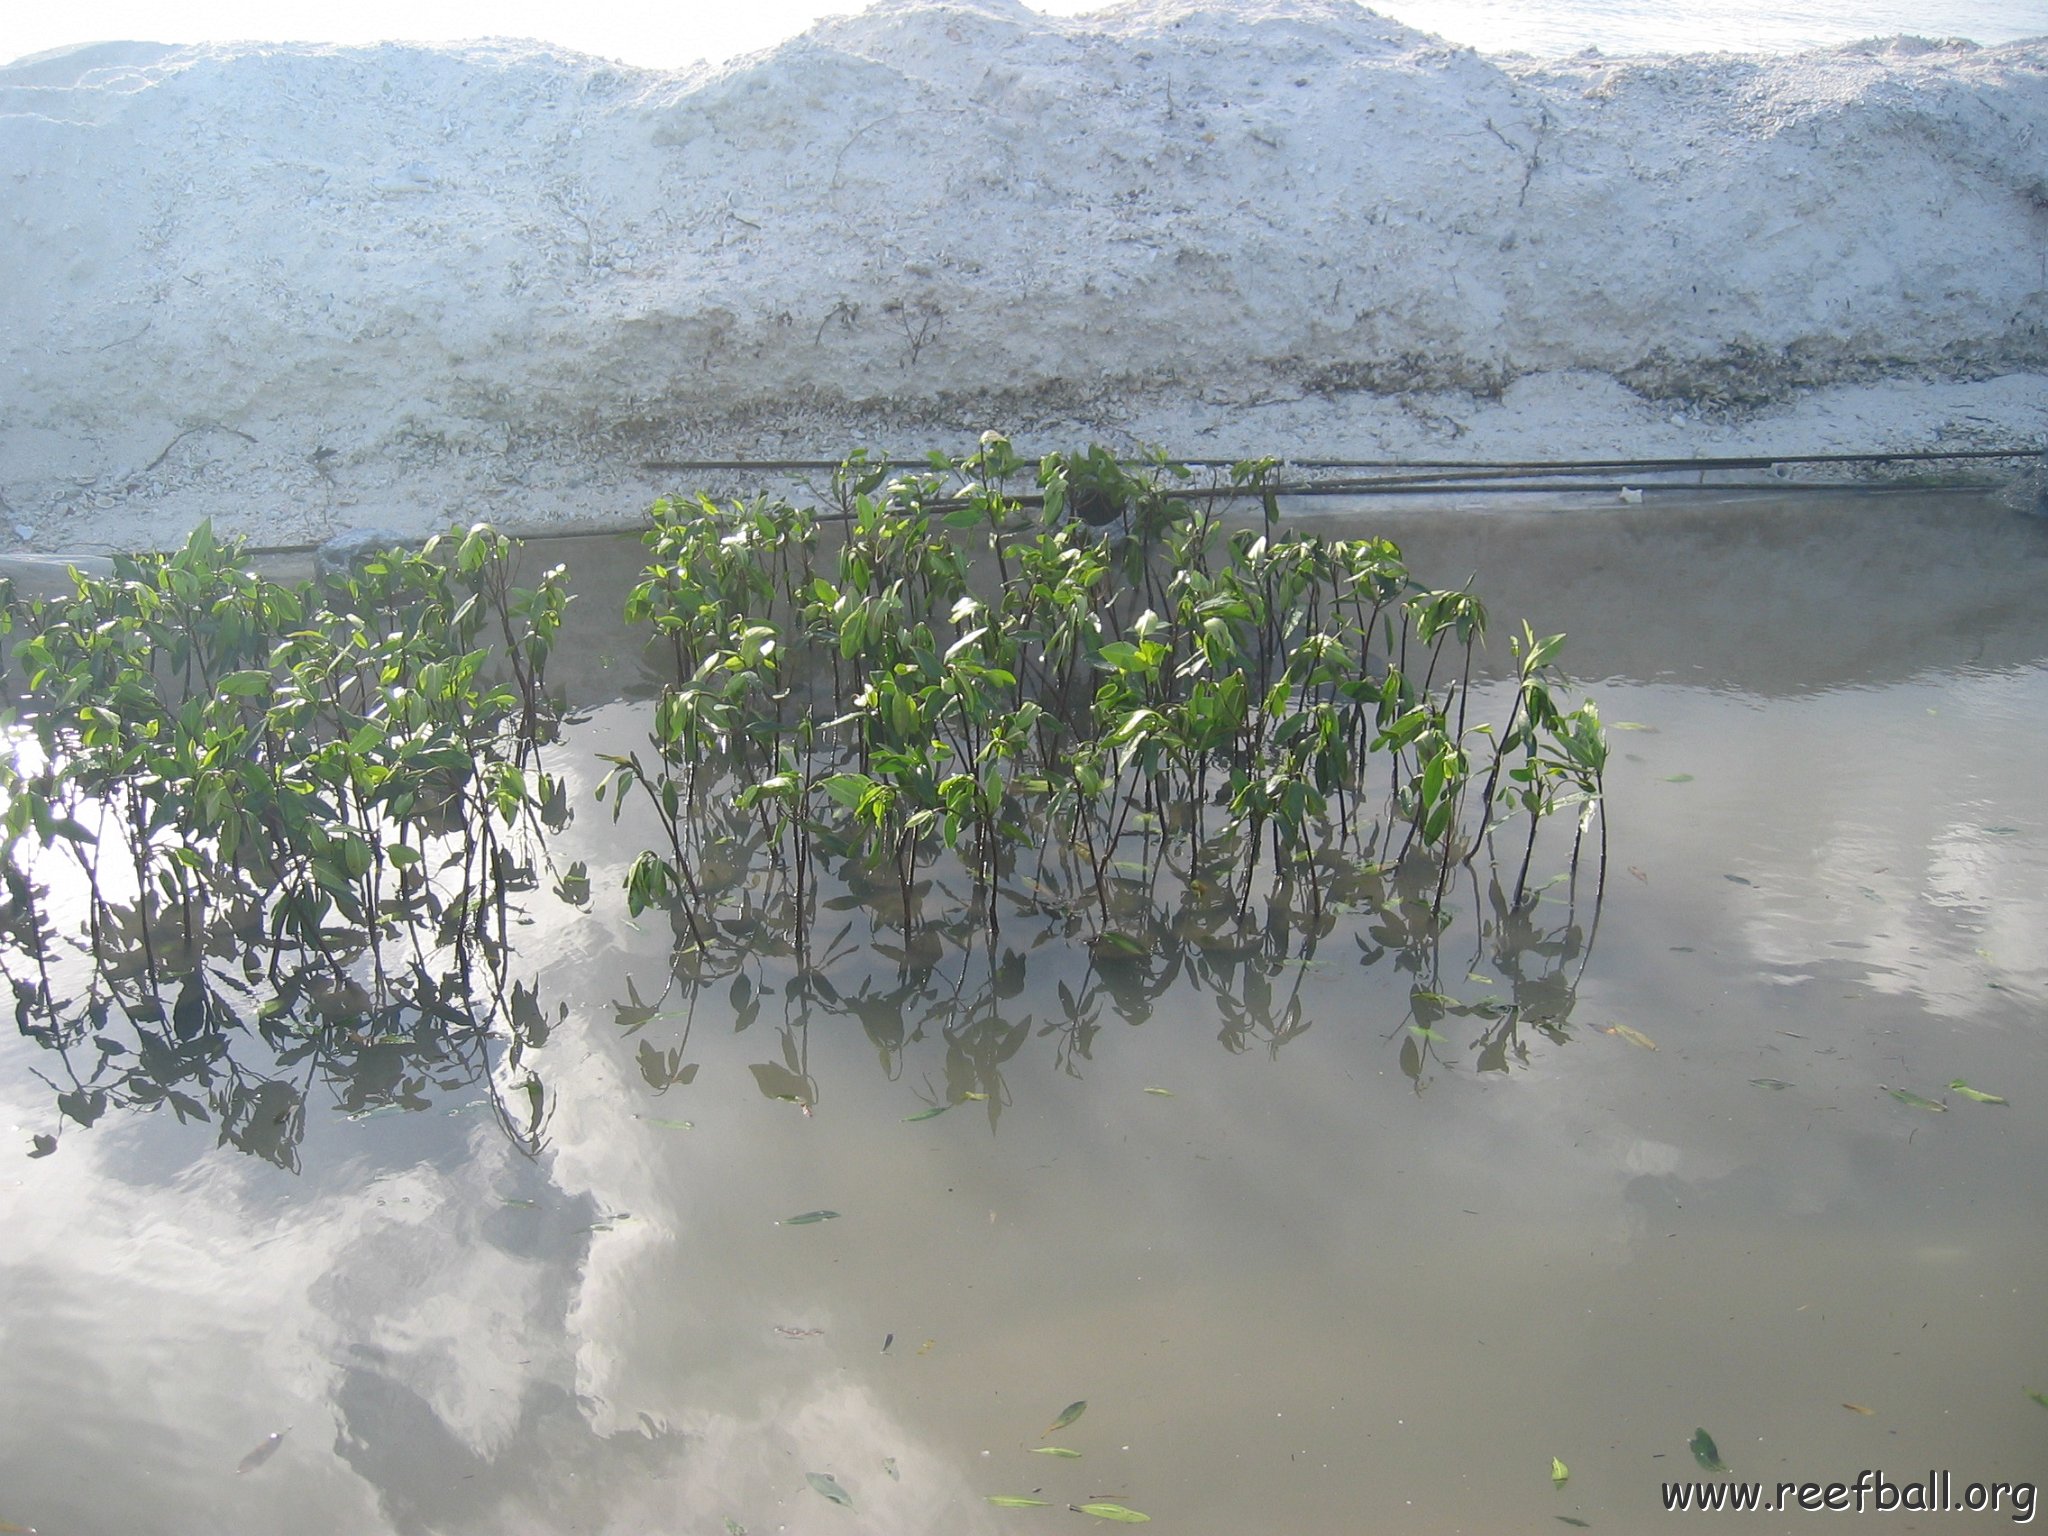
{"x": 1070, "y": 711}
{"x": 216, "y": 767}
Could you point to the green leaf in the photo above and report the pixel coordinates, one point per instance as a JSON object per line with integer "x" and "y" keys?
{"x": 810, "y": 1218}
{"x": 1974, "y": 1095}
{"x": 825, "y": 1484}
{"x": 1559, "y": 1471}
{"x": 1164, "y": 1093}
{"x": 1705, "y": 1452}
{"x": 1054, "y": 1450}
{"x": 1016, "y": 1501}
{"x": 1424, "y": 1032}
{"x": 2040, "y": 1397}
{"x": 1113, "y": 1512}
{"x": 1907, "y": 1096}
{"x": 1677, "y": 778}
{"x": 1067, "y": 1416}
{"x": 931, "y": 1113}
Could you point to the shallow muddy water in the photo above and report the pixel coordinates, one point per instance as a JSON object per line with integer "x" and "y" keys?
{"x": 1308, "y": 1270}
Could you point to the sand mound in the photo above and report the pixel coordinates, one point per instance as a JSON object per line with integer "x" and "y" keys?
{"x": 296, "y": 288}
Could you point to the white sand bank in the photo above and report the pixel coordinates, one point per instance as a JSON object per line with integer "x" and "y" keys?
{"x": 297, "y": 289}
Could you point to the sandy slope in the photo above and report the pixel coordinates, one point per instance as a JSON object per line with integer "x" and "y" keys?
{"x": 299, "y": 288}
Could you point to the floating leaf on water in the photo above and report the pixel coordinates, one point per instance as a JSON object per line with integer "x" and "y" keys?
{"x": 1054, "y": 1450}
{"x": 1907, "y": 1096}
{"x": 671, "y": 1125}
{"x": 1628, "y": 725}
{"x": 1975, "y": 1096}
{"x": 1770, "y": 1082}
{"x": 1115, "y": 1512}
{"x": 266, "y": 1449}
{"x": 1632, "y": 1036}
{"x": 1868, "y": 1413}
{"x": 927, "y": 1346}
{"x": 1016, "y": 1501}
{"x": 1678, "y": 778}
{"x": 927, "y": 1114}
{"x": 827, "y": 1485}
{"x": 1164, "y": 1093}
{"x": 1067, "y": 1416}
{"x": 1559, "y": 1472}
{"x": 810, "y": 1218}
{"x": 1111, "y": 945}
{"x": 1705, "y": 1452}
{"x": 887, "y": 1341}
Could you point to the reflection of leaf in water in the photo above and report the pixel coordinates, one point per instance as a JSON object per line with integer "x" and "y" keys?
{"x": 263, "y": 1452}
{"x": 1909, "y": 1097}
{"x": 778, "y": 1082}
{"x": 1067, "y": 1416}
{"x": 827, "y": 1485}
{"x": 1705, "y": 1452}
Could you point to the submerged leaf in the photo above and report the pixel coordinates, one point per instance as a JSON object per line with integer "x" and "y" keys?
{"x": 1868, "y": 1413}
{"x": 1559, "y": 1471}
{"x": 826, "y": 1484}
{"x": 1016, "y": 1501}
{"x": 1054, "y": 1450}
{"x": 1632, "y": 1036}
{"x": 1164, "y": 1093}
{"x": 2040, "y": 1397}
{"x": 1975, "y": 1096}
{"x": 810, "y": 1218}
{"x": 889, "y": 1466}
{"x": 733, "y": 1527}
{"x": 1115, "y": 1512}
{"x": 1907, "y": 1096}
{"x": 266, "y": 1449}
{"x": 1677, "y": 778}
{"x": 1770, "y": 1082}
{"x": 1705, "y": 1452}
{"x": 1067, "y": 1416}
{"x": 927, "y": 1114}
{"x": 1738, "y": 880}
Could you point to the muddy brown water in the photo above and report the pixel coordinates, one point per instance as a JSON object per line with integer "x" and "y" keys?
{"x": 1328, "y": 1281}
